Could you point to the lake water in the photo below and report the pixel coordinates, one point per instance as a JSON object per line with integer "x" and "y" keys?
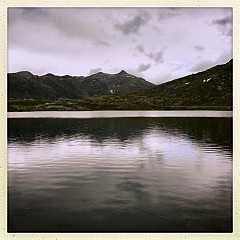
{"x": 120, "y": 175}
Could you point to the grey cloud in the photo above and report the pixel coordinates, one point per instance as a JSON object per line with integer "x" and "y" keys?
{"x": 73, "y": 25}
{"x": 199, "y": 48}
{"x": 167, "y": 13}
{"x": 103, "y": 43}
{"x": 57, "y": 23}
{"x": 225, "y": 57}
{"x": 95, "y": 70}
{"x": 133, "y": 25}
{"x": 223, "y": 21}
{"x": 56, "y": 31}
{"x": 162, "y": 78}
{"x": 66, "y": 38}
{"x": 157, "y": 57}
{"x": 143, "y": 67}
{"x": 26, "y": 14}
{"x": 135, "y": 72}
{"x": 202, "y": 65}
{"x": 177, "y": 66}
{"x": 140, "y": 49}
{"x": 156, "y": 29}
{"x": 224, "y": 25}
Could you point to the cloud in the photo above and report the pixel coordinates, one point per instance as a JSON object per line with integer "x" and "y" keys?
{"x": 76, "y": 41}
{"x": 225, "y": 57}
{"x": 133, "y": 25}
{"x": 167, "y": 13}
{"x": 202, "y": 65}
{"x": 95, "y": 70}
{"x": 157, "y": 57}
{"x": 27, "y": 14}
{"x": 156, "y": 29}
{"x": 224, "y": 25}
{"x": 223, "y": 21}
{"x": 44, "y": 26}
{"x": 140, "y": 49}
{"x": 143, "y": 67}
{"x": 103, "y": 43}
{"x": 163, "y": 77}
{"x": 199, "y": 48}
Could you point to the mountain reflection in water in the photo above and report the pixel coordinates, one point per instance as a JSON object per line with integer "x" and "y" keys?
{"x": 120, "y": 175}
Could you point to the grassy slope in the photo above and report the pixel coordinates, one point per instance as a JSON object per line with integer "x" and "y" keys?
{"x": 191, "y": 92}
{"x": 88, "y": 105}
{"x": 24, "y": 85}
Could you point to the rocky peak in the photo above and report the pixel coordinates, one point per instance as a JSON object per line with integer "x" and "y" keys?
{"x": 49, "y": 75}
{"x": 123, "y": 72}
{"x": 25, "y": 74}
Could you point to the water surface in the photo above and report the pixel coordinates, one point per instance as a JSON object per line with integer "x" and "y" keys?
{"x": 120, "y": 175}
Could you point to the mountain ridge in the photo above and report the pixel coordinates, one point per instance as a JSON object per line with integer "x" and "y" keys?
{"x": 24, "y": 84}
{"x": 209, "y": 89}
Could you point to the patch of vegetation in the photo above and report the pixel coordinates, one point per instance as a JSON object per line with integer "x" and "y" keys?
{"x": 26, "y": 85}
{"x": 208, "y": 90}
{"x": 27, "y": 105}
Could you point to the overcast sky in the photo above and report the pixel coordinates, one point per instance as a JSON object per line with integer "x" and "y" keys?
{"x": 158, "y": 44}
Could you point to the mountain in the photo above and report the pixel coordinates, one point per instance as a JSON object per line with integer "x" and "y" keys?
{"x": 210, "y": 89}
{"x": 24, "y": 84}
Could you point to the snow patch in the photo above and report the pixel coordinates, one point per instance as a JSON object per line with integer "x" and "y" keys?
{"x": 207, "y": 80}
{"x": 186, "y": 83}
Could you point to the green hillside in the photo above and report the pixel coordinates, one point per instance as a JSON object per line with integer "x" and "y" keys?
{"x": 210, "y": 89}
{"x": 25, "y": 85}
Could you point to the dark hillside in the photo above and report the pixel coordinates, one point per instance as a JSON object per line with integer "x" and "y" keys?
{"x": 210, "y": 89}
{"x": 24, "y": 85}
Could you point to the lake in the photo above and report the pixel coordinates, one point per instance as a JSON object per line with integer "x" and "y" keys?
{"x": 133, "y": 174}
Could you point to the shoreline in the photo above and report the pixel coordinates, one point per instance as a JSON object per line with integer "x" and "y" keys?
{"x": 120, "y": 114}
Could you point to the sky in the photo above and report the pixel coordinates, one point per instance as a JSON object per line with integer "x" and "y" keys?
{"x": 157, "y": 44}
